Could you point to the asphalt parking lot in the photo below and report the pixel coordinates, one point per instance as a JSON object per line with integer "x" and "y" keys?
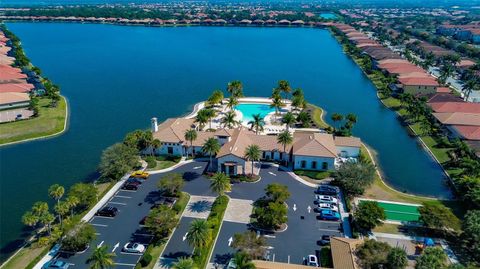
{"x": 292, "y": 245}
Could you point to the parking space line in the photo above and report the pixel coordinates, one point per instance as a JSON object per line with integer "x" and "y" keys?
{"x": 126, "y": 191}
{"x": 99, "y": 225}
{"x": 101, "y": 217}
{"x": 117, "y": 203}
{"x": 328, "y": 230}
{"x": 125, "y": 264}
{"x": 121, "y": 196}
{"x": 127, "y": 253}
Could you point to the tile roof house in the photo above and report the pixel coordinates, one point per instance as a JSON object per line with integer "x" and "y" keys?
{"x": 10, "y": 100}
{"x": 16, "y": 87}
{"x": 343, "y": 252}
{"x": 460, "y": 124}
{"x": 309, "y": 150}
{"x": 422, "y": 85}
{"x": 464, "y": 107}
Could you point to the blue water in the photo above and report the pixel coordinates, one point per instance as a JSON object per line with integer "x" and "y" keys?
{"x": 328, "y": 16}
{"x": 117, "y": 77}
{"x": 248, "y": 110}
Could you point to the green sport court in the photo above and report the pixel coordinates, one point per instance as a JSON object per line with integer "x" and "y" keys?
{"x": 400, "y": 212}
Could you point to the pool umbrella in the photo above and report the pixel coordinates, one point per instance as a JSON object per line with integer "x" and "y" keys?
{"x": 429, "y": 242}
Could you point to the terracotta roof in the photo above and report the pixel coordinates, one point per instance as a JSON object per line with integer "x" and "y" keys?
{"x": 268, "y": 142}
{"x": 314, "y": 144}
{"x": 444, "y": 97}
{"x": 16, "y": 87}
{"x": 444, "y": 90}
{"x": 13, "y": 97}
{"x": 418, "y": 81}
{"x": 415, "y": 75}
{"x": 458, "y": 118}
{"x": 173, "y": 130}
{"x": 455, "y": 107}
{"x": 468, "y": 132}
{"x": 347, "y": 141}
{"x": 343, "y": 250}
{"x": 239, "y": 141}
{"x": 388, "y": 61}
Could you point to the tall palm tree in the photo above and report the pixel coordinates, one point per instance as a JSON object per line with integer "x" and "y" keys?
{"x": 469, "y": 86}
{"x": 229, "y": 120}
{"x": 288, "y": 119}
{"x": 252, "y": 153}
{"x": 202, "y": 118}
{"x": 351, "y": 118}
{"x": 336, "y": 117}
{"x": 211, "y": 147}
{"x": 198, "y": 234}
{"x": 285, "y": 138}
{"x": 72, "y": 202}
{"x": 156, "y": 143}
{"x": 184, "y": 263}
{"x": 243, "y": 261}
{"x": 284, "y": 86}
{"x": 215, "y": 98}
{"x": 210, "y": 113}
{"x": 220, "y": 183}
{"x": 101, "y": 258}
{"x": 235, "y": 88}
{"x": 257, "y": 123}
{"x": 298, "y": 101}
{"x": 30, "y": 219}
{"x": 56, "y": 192}
{"x": 190, "y": 136}
{"x": 304, "y": 118}
{"x": 62, "y": 209}
{"x": 232, "y": 102}
{"x": 277, "y": 103}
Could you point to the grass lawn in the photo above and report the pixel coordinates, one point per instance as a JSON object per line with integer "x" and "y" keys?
{"x": 317, "y": 116}
{"x": 162, "y": 165}
{"x": 388, "y": 228}
{"x": 50, "y": 121}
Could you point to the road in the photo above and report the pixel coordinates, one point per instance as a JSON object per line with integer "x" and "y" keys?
{"x": 299, "y": 240}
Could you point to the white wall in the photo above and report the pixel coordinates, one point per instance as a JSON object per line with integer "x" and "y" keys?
{"x": 15, "y": 105}
{"x": 231, "y": 158}
{"x": 297, "y": 162}
{"x": 348, "y": 151}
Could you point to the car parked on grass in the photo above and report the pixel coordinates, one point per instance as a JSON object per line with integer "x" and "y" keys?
{"x": 130, "y": 186}
{"x": 325, "y": 199}
{"x": 132, "y": 247}
{"x": 108, "y": 211}
{"x": 312, "y": 260}
{"x": 140, "y": 174}
{"x": 329, "y": 215}
{"x": 55, "y": 264}
{"x": 328, "y": 190}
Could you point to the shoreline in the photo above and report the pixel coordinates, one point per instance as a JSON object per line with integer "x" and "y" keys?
{"x": 65, "y": 128}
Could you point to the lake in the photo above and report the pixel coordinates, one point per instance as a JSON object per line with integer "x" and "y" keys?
{"x": 117, "y": 77}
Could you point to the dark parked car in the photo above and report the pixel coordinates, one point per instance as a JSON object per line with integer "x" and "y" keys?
{"x": 325, "y": 240}
{"x": 108, "y": 211}
{"x": 134, "y": 180}
{"x": 130, "y": 186}
{"x": 327, "y": 190}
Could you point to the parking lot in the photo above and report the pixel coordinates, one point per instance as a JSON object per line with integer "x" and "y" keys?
{"x": 292, "y": 245}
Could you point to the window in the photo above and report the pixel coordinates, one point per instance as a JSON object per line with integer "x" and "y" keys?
{"x": 303, "y": 164}
{"x": 314, "y": 165}
{"x": 324, "y": 165}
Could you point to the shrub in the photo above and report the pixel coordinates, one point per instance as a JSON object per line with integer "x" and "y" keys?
{"x": 313, "y": 174}
{"x": 326, "y": 257}
{"x": 78, "y": 239}
{"x": 151, "y": 161}
{"x": 146, "y": 259}
{"x": 181, "y": 203}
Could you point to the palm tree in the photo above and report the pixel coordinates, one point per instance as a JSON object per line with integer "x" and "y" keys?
{"x": 47, "y": 219}
{"x": 235, "y": 88}
{"x": 56, "y": 192}
{"x": 210, "y": 113}
{"x": 156, "y": 143}
{"x": 242, "y": 261}
{"x": 252, "y": 153}
{"x": 257, "y": 123}
{"x": 304, "y": 118}
{"x": 277, "y": 103}
{"x": 198, "y": 234}
{"x": 211, "y": 147}
{"x": 101, "y": 258}
{"x": 220, "y": 183}
{"x": 284, "y": 86}
{"x": 215, "y": 98}
{"x": 72, "y": 203}
{"x": 184, "y": 263}
{"x": 30, "y": 219}
{"x": 336, "y": 117}
{"x": 62, "y": 209}
{"x": 229, "y": 120}
{"x": 232, "y": 102}
{"x": 469, "y": 86}
{"x": 285, "y": 138}
{"x": 190, "y": 136}
{"x": 288, "y": 119}
{"x": 202, "y": 118}
{"x": 298, "y": 101}
{"x": 445, "y": 72}
{"x": 351, "y": 118}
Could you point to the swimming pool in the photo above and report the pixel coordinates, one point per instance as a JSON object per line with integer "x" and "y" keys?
{"x": 248, "y": 110}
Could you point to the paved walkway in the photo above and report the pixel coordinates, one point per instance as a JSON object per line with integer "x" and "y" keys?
{"x": 239, "y": 211}
{"x": 199, "y": 207}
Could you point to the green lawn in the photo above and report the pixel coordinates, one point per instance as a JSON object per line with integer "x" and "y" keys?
{"x": 50, "y": 121}
{"x": 317, "y": 116}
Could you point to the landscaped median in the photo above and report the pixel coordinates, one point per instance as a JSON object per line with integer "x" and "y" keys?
{"x": 50, "y": 122}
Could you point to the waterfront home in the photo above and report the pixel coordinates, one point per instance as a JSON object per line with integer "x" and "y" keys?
{"x": 310, "y": 150}
{"x": 460, "y": 125}
{"x": 426, "y": 85}
{"x": 463, "y": 107}
{"x": 16, "y": 87}
{"x": 10, "y": 100}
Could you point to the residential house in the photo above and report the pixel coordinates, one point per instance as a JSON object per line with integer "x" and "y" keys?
{"x": 460, "y": 125}
{"x": 10, "y": 100}
{"x": 416, "y": 86}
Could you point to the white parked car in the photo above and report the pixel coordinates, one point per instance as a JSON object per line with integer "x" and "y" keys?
{"x": 133, "y": 248}
{"x": 325, "y": 199}
{"x": 312, "y": 261}
{"x": 328, "y": 206}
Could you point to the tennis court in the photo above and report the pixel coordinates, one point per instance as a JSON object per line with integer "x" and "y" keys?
{"x": 400, "y": 212}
